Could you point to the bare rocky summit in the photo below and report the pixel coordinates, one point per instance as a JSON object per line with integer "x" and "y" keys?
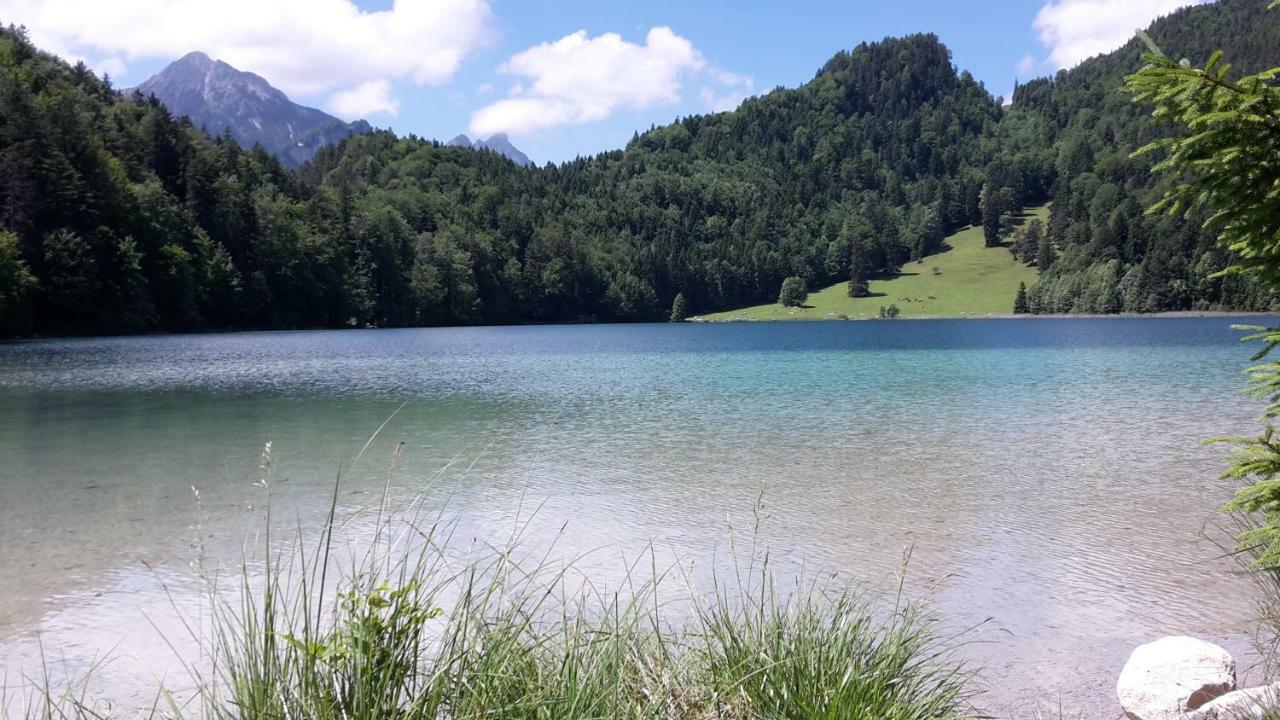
{"x": 219, "y": 97}
{"x": 498, "y": 143}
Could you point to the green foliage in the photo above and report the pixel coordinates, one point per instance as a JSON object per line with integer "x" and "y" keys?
{"x": 816, "y": 657}
{"x": 991, "y": 202}
{"x": 411, "y": 635}
{"x": 887, "y": 140}
{"x": 1082, "y": 130}
{"x": 1045, "y": 254}
{"x": 630, "y": 298}
{"x": 1231, "y": 150}
{"x": 794, "y": 292}
{"x": 1098, "y": 288}
{"x": 858, "y": 236}
{"x": 1026, "y": 243}
{"x": 1257, "y": 460}
{"x": 678, "y": 310}
{"x": 1020, "y": 304}
{"x": 414, "y": 628}
{"x": 132, "y": 219}
{"x": 17, "y": 285}
{"x": 965, "y": 278}
{"x": 1226, "y": 157}
{"x": 890, "y": 311}
{"x": 373, "y": 651}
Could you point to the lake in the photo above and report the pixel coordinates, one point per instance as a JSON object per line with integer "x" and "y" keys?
{"x": 1048, "y": 473}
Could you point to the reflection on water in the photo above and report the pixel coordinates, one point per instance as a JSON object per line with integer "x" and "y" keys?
{"x": 1048, "y": 471}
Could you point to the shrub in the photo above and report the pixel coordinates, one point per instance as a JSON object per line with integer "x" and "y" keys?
{"x": 794, "y": 292}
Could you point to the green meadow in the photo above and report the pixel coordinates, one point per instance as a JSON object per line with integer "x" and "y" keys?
{"x": 967, "y": 278}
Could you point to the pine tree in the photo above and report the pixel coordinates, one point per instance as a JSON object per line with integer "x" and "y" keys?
{"x": 1020, "y": 306}
{"x": 1229, "y": 147}
{"x": 1045, "y": 255}
{"x": 991, "y": 207}
{"x": 678, "y": 308}
{"x": 856, "y": 234}
{"x": 1029, "y": 247}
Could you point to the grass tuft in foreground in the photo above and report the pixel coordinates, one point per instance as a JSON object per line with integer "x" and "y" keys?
{"x": 407, "y": 628}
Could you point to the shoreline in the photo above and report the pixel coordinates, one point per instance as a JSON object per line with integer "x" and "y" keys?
{"x": 1002, "y": 316}
{"x": 696, "y": 319}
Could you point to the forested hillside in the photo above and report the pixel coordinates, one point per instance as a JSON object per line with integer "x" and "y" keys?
{"x": 117, "y": 217}
{"x": 1111, "y": 256}
{"x": 130, "y": 219}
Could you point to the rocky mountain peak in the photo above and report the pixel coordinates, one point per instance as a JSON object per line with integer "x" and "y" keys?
{"x": 218, "y": 97}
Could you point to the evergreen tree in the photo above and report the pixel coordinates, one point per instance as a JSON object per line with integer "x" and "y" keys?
{"x": 1074, "y": 134}
{"x": 857, "y": 234}
{"x": 992, "y": 208}
{"x": 1020, "y": 306}
{"x": 1045, "y": 255}
{"x": 678, "y": 312}
{"x": 1229, "y": 148}
{"x": 1028, "y": 245}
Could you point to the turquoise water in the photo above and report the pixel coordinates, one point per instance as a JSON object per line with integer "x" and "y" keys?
{"x": 1047, "y": 473}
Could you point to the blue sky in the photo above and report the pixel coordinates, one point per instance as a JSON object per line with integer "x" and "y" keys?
{"x": 774, "y": 43}
{"x": 562, "y": 77}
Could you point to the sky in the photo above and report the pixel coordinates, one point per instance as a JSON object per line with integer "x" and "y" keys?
{"x": 562, "y": 77}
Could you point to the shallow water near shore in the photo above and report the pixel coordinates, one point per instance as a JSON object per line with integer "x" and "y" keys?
{"x": 1047, "y": 473}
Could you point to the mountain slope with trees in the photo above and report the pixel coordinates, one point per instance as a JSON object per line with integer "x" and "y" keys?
{"x": 130, "y": 219}
{"x": 1111, "y": 256}
{"x": 116, "y": 216}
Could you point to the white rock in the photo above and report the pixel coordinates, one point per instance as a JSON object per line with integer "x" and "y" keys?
{"x": 1250, "y": 704}
{"x": 1165, "y": 679}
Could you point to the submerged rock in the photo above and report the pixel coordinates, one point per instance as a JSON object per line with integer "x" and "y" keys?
{"x": 1166, "y": 679}
{"x": 1241, "y": 705}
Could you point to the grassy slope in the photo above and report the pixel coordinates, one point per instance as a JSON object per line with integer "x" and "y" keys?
{"x": 974, "y": 280}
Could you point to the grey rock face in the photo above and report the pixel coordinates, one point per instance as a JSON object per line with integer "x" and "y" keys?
{"x": 502, "y": 145}
{"x": 218, "y": 97}
{"x": 499, "y": 143}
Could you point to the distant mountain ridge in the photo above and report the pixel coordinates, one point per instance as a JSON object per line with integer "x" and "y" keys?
{"x": 218, "y": 97}
{"x": 498, "y": 143}
{"x": 134, "y": 224}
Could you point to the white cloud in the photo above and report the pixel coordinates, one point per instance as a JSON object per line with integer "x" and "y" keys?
{"x": 365, "y": 99}
{"x": 736, "y": 88}
{"x": 113, "y": 66}
{"x": 579, "y": 79}
{"x": 1076, "y": 30}
{"x": 305, "y": 47}
{"x": 1026, "y": 65}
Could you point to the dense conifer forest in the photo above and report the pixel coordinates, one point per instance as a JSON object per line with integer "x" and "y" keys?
{"x": 116, "y": 216}
{"x": 1110, "y": 255}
